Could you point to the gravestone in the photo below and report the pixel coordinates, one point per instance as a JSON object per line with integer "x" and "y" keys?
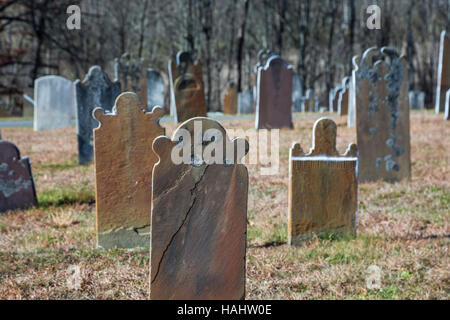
{"x": 274, "y": 99}
{"x": 355, "y": 77}
{"x": 417, "y": 100}
{"x": 297, "y": 93}
{"x": 245, "y": 102}
{"x": 155, "y": 89}
{"x": 230, "y": 101}
{"x": 344, "y": 97}
{"x": 199, "y": 215}
{"x": 16, "y": 180}
{"x": 443, "y": 76}
{"x": 187, "y": 86}
{"x": 382, "y": 117}
{"x": 54, "y": 103}
{"x": 309, "y": 101}
{"x": 447, "y": 107}
{"x": 322, "y": 187}
{"x": 334, "y": 98}
{"x": 123, "y": 163}
{"x": 129, "y": 70}
{"x": 95, "y": 91}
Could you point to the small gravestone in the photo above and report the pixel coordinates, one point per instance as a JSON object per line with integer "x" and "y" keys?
{"x": 297, "y": 93}
{"x": 245, "y": 102}
{"x": 124, "y": 162}
{"x": 443, "y": 76}
{"x": 230, "y": 101}
{"x": 16, "y": 180}
{"x": 382, "y": 117}
{"x": 309, "y": 101}
{"x": 344, "y": 97}
{"x": 199, "y": 215}
{"x": 416, "y": 100}
{"x": 335, "y": 98}
{"x": 274, "y": 99}
{"x": 155, "y": 89}
{"x": 129, "y": 70}
{"x": 447, "y": 106}
{"x": 187, "y": 86}
{"x": 322, "y": 187}
{"x": 54, "y": 103}
{"x": 95, "y": 91}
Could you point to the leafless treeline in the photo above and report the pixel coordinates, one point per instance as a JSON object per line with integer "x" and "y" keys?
{"x": 319, "y": 37}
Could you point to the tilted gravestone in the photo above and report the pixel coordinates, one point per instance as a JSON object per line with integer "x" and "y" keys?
{"x": 123, "y": 162}
{"x": 187, "y": 86}
{"x": 245, "y": 102}
{"x": 443, "y": 76}
{"x": 447, "y": 106}
{"x": 129, "y": 70}
{"x": 155, "y": 89}
{"x": 16, "y": 180}
{"x": 416, "y": 100}
{"x": 95, "y": 91}
{"x": 274, "y": 99}
{"x": 343, "y": 100}
{"x": 199, "y": 214}
{"x": 231, "y": 99}
{"x": 54, "y": 103}
{"x": 382, "y": 118}
{"x": 322, "y": 187}
{"x": 297, "y": 93}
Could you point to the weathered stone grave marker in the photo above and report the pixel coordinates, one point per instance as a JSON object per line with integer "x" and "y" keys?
{"x": 382, "y": 118}
{"x": 322, "y": 187}
{"x": 54, "y": 103}
{"x": 245, "y": 102}
{"x": 129, "y": 70}
{"x": 447, "y": 106}
{"x": 343, "y": 100}
{"x": 16, "y": 180}
{"x": 96, "y": 90}
{"x": 297, "y": 93}
{"x": 443, "y": 76}
{"x": 416, "y": 100}
{"x": 199, "y": 215}
{"x": 187, "y": 87}
{"x": 123, "y": 163}
{"x": 231, "y": 99}
{"x": 274, "y": 99}
{"x": 155, "y": 89}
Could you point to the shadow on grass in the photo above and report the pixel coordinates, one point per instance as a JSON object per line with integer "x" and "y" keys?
{"x": 61, "y": 197}
{"x": 268, "y": 244}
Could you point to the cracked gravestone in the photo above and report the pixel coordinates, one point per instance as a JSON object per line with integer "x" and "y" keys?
{"x": 416, "y": 100}
{"x": 95, "y": 91}
{"x": 187, "y": 86}
{"x": 54, "y": 103}
{"x": 382, "y": 117}
{"x": 443, "y": 76}
{"x": 230, "y": 101}
{"x": 155, "y": 89}
{"x": 17, "y": 189}
{"x": 129, "y": 70}
{"x": 123, "y": 162}
{"x": 322, "y": 187}
{"x": 344, "y": 97}
{"x": 245, "y": 102}
{"x": 274, "y": 95}
{"x": 199, "y": 214}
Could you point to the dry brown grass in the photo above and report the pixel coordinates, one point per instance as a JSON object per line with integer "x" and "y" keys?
{"x": 403, "y": 228}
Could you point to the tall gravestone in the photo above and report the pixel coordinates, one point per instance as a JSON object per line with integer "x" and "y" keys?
{"x": 443, "y": 76}
{"x": 322, "y": 187}
{"x": 95, "y": 91}
{"x": 245, "y": 102}
{"x": 187, "y": 86}
{"x": 123, "y": 162}
{"x": 297, "y": 93}
{"x": 344, "y": 97}
{"x": 274, "y": 99}
{"x": 262, "y": 57}
{"x": 17, "y": 189}
{"x": 199, "y": 215}
{"x": 155, "y": 89}
{"x": 447, "y": 106}
{"x": 416, "y": 100}
{"x": 231, "y": 99}
{"x": 54, "y": 103}
{"x": 130, "y": 70}
{"x": 382, "y": 117}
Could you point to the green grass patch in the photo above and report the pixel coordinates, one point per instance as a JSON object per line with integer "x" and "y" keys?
{"x": 66, "y": 196}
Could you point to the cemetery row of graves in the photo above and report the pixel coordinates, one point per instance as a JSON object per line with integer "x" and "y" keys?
{"x": 358, "y": 208}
